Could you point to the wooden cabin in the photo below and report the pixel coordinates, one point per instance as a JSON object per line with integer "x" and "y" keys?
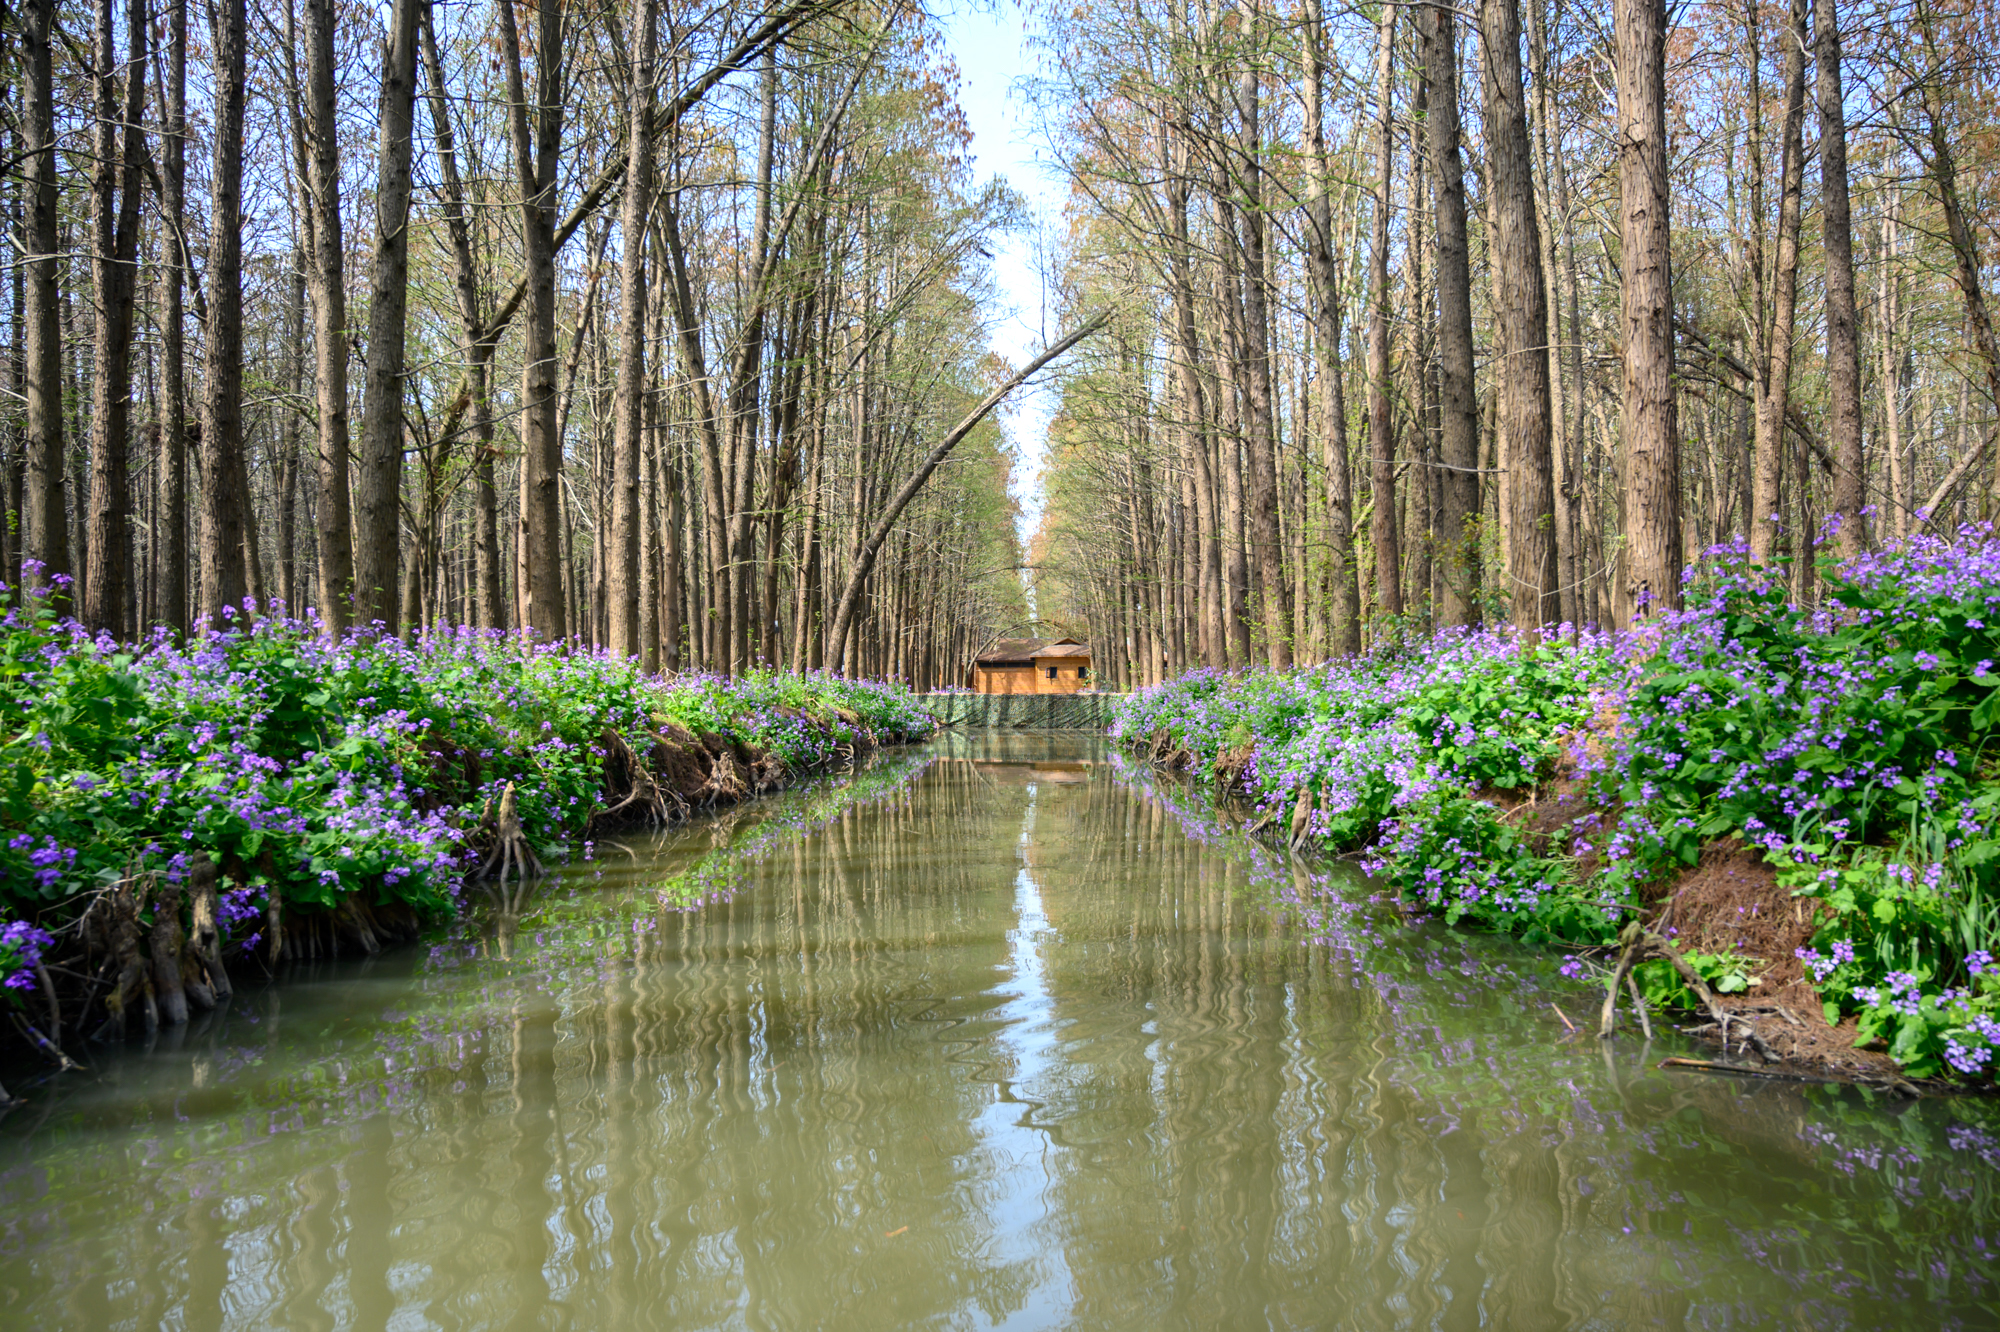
{"x": 1033, "y": 666}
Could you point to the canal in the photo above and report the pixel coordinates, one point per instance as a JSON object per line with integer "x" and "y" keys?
{"x": 997, "y": 1033}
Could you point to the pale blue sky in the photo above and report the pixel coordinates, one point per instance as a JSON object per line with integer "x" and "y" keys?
{"x": 987, "y": 43}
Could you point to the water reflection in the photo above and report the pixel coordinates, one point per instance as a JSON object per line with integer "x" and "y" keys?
{"x": 1003, "y": 1035}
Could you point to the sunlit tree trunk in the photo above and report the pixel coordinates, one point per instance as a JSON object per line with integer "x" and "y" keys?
{"x": 1521, "y": 319}
{"x": 1651, "y": 551}
{"x": 622, "y": 594}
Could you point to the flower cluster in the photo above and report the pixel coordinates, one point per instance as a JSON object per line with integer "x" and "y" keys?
{"x": 21, "y": 945}
{"x": 312, "y": 767}
{"x": 1402, "y": 751}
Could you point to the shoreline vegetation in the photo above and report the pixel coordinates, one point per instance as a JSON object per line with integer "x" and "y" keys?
{"x": 1784, "y": 821}
{"x": 176, "y": 817}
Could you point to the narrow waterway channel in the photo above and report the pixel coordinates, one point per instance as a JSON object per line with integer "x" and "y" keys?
{"x": 995, "y": 1034}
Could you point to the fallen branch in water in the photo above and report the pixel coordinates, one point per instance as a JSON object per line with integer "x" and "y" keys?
{"x": 1710, "y": 1066}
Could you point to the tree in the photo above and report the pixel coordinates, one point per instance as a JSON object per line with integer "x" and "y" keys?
{"x": 871, "y": 548}
{"x": 1521, "y": 320}
{"x": 1458, "y": 409}
{"x": 1843, "y": 349}
{"x": 326, "y": 280}
{"x": 1344, "y": 609}
{"x": 623, "y": 592}
{"x": 225, "y": 527}
{"x": 537, "y": 143}
{"x": 1651, "y": 554}
{"x": 378, "y": 497}
{"x": 1774, "y": 401}
{"x": 170, "y": 546}
{"x": 45, "y": 509}
{"x": 119, "y": 142}
{"x": 1381, "y": 420}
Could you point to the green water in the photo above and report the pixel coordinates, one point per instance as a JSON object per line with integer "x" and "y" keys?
{"x": 998, "y": 1034}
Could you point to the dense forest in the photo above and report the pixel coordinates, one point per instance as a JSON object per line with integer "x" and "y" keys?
{"x": 664, "y": 331}
{"x": 640, "y": 327}
{"x": 1432, "y": 317}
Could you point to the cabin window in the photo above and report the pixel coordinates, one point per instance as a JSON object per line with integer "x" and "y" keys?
{"x": 1052, "y": 672}
{"x": 1083, "y": 672}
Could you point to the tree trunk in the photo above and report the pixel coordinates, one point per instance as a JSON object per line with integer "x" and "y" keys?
{"x": 47, "y": 512}
{"x": 327, "y": 282}
{"x": 225, "y": 500}
{"x": 1651, "y": 551}
{"x": 1772, "y": 405}
{"x": 170, "y": 528}
{"x": 1417, "y": 532}
{"x": 623, "y": 590}
{"x": 1260, "y": 439}
{"x": 535, "y": 146}
{"x": 488, "y": 608}
{"x": 864, "y": 562}
{"x": 1344, "y": 609}
{"x": 1966, "y": 270}
{"x": 1457, "y": 554}
{"x": 115, "y": 255}
{"x": 15, "y": 477}
{"x": 379, "y": 484}
{"x": 714, "y": 496}
{"x": 1381, "y": 420}
{"x": 1843, "y": 348}
{"x": 1195, "y": 447}
{"x": 1521, "y": 321}
{"x": 1887, "y": 330}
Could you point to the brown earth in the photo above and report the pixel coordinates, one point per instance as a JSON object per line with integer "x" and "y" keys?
{"x": 1730, "y": 900}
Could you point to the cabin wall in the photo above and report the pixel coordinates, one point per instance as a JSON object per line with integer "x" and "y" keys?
{"x": 1004, "y": 680}
{"x": 1067, "y": 680}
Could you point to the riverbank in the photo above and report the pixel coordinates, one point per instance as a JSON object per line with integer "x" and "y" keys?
{"x": 175, "y": 812}
{"x": 1787, "y": 820}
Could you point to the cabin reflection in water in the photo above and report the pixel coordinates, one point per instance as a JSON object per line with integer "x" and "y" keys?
{"x": 1001, "y": 1045}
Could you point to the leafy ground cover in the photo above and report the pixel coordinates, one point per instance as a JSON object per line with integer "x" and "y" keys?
{"x": 267, "y": 789}
{"x": 1842, "y": 757}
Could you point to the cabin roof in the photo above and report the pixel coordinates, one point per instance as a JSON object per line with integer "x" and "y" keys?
{"x": 1025, "y": 651}
{"x": 1010, "y": 652}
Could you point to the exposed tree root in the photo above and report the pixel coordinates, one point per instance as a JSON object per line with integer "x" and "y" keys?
{"x": 207, "y": 980}
{"x": 625, "y": 771}
{"x": 726, "y": 780}
{"x": 133, "y": 984}
{"x": 166, "y": 944}
{"x": 511, "y": 855}
{"x": 1642, "y": 945}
